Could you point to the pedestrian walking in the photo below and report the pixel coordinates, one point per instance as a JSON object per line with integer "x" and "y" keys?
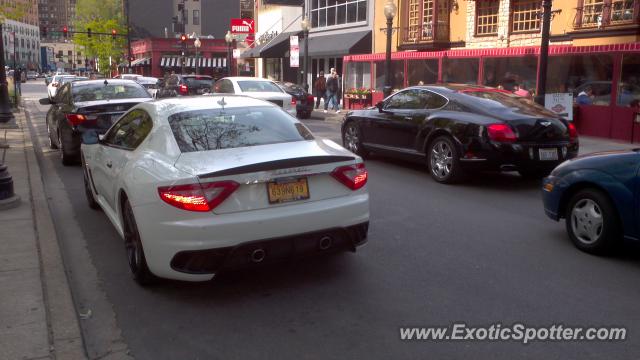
{"x": 333, "y": 87}
{"x": 17, "y": 80}
{"x": 320, "y": 89}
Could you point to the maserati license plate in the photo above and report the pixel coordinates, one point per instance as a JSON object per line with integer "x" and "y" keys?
{"x": 281, "y": 191}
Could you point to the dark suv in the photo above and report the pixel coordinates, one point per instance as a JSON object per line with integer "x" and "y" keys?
{"x": 184, "y": 85}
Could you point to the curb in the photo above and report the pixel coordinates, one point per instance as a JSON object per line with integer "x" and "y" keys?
{"x": 64, "y": 329}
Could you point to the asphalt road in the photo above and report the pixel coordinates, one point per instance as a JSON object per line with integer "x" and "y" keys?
{"x": 479, "y": 253}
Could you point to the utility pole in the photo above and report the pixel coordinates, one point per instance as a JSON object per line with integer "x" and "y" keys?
{"x": 543, "y": 59}
{"x": 128, "y": 34}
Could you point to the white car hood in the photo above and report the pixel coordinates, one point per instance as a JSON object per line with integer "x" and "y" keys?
{"x": 207, "y": 162}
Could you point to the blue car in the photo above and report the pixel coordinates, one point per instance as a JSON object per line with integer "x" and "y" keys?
{"x": 599, "y": 196}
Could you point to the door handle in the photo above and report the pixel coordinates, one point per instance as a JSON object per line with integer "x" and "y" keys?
{"x": 109, "y": 164}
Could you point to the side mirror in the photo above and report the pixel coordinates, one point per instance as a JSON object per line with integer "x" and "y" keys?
{"x": 90, "y": 137}
{"x": 45, "y": 101}
{"x": 101, "y": 138}
{"x": 380, "y": 106}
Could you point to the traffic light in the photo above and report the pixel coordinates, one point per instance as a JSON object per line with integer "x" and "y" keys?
{"x": 65, "y": 32}
{"x": 89, "y": 32}
{"x": 113, "y": 34}
{"x": 183, "y": 38}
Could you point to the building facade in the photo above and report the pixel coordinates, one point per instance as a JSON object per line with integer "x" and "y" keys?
{"x": 67, "y": 57}
{"x": 21, "y": 45}
{"x": 154, "y": 18}
{"x": 594, "y": 46}
{"x": 54, "y": 15}
{"x": 27, "y": 8}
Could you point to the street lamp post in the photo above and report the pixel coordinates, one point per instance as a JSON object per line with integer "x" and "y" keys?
{"x": 197, "y": 44}
{"x": 5, "y": 109}
{"x": 306, "y": 26}
{"x": 390, "y": 10}
{"x": 544, "y": 52}
{"x": 228, "y": 38}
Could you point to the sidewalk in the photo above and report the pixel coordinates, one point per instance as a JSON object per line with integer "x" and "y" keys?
{"x": 38, "y": 317}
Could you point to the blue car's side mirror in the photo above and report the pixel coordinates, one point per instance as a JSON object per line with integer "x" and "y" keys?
{"x": 90, "y": 137}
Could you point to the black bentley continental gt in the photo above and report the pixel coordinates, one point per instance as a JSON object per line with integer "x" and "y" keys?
{"x": 457, "y": 129}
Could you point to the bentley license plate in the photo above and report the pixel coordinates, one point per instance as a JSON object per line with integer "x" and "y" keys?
{"x": 548, "y": 154}
{"x": 286, "y": 190}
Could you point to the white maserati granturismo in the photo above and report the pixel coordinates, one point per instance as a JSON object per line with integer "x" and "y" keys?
{"x": 198, "y": 185}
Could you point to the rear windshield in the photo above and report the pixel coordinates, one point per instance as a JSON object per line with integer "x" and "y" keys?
{"x": 258, "y": 86}
{"x": 213, "y": 129}
{"x": 495, "y": 100}
{"x": 99, "y": 91}
{"x": 292, "y": 87}
{"x": 198, "y": 82}
{"x": 66, "y": 80}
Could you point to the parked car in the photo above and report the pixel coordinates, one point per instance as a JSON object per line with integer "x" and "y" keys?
{"x": 303, "y": 100}
{"x": 184, "y": 85}
{"x": 56, "y": 82}
{"x": 203, "y": 184}
{"x": 257, "y": 88}
{"x": 134, "y": 77}
{"x": 87, "y": 105}
{"x": 456, "y": 129}
{"x": 149, "y": 83}
{"x": 598, "y": 195}
{"x": 32, "y": 75}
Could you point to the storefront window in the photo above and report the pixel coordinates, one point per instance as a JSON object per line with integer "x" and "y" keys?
{"x": 358, "y": 75}
{"x": 587, "y": 77}
{"x": 397, "y": 75}
{"x": 629, "y": 87}
{"x": 329, "y": 13}
{"x": 425, "y": 71}
{"x": 273, "y": 69}
{"x": 509, "y": 72}
{"x": 463, "y": 71}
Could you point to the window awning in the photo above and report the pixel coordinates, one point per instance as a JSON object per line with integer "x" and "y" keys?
{"x": 253, "y": 52}
{"x": 141, "y": 62}
{"x": 190, "y": 62}
{"x": 357, "y": 42}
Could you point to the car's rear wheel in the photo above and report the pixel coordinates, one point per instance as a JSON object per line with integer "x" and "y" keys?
{"x": 135, "y": 252}
{"x": 91, "y": 200}
{"x": 52, "y": 143}
{"x": 592, "y": 222}
{"x": 443, "y": 161}
{"x": 67, "y": 159}
{"x": 352, "y": 140}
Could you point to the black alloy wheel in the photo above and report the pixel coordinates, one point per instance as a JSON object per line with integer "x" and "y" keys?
{"x": 135, "y": 252}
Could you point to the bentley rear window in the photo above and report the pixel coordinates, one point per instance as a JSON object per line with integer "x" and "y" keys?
{"x": 213, "y": 129}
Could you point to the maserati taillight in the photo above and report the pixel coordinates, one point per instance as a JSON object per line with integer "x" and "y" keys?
{"x": 197, "y": 197}
{"x": 352, "y": 176}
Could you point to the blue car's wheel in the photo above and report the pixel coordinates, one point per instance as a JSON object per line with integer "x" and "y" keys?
{"x": 592, "y": 221}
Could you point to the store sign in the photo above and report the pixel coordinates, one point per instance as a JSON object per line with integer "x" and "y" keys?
{"x": 243, "y": 26}
{"x": 560, "y": 103}
{"x": 294, "y": 52}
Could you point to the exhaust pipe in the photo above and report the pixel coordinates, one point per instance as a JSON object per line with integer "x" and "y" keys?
{"x": 325, "y": 242}
{"x": 257, "y": 255}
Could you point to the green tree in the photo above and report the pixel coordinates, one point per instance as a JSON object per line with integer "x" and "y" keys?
{"x": 14, "y": 11}
{"x": 101, "y": 16}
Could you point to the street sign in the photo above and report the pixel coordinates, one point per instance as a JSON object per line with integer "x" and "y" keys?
{"x": 243, "y": 26}
{"x": 236, "y": 53}
{"x": 294, "y": 52}
{"x": 560, "y": 103}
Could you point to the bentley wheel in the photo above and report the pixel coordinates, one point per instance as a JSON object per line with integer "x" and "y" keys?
{"x": 135, "y": 252}
{"x": 592, "y": 222}
{"x": 444, "y": 164}
{"x": 67, "y": 159}
{"x": 351, "y": 139}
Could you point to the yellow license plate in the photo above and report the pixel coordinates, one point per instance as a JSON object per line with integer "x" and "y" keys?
{"x": 282, "y": 191}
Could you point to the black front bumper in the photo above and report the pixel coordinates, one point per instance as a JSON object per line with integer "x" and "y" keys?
{"x": 274, "y": 250}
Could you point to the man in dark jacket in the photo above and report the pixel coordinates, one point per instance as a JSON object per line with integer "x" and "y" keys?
{"x": 332, "y": 91}
{"x": 320, "y": 88}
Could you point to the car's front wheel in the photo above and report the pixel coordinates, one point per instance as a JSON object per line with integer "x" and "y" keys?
{"x": 592, "y": 222}
{"x": 352, "y": 140}
{"x": 443, "y": 161}
{"x": 135, "y": 252}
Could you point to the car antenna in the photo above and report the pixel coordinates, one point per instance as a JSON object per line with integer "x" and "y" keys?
{"x": 222, "y": 103}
